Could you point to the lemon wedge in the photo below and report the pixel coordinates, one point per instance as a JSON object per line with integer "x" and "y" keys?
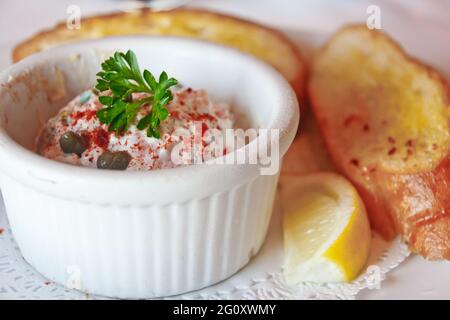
{"x": 326, "y": 230}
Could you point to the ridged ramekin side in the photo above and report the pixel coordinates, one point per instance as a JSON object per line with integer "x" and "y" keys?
{"x": 141, "y": 252}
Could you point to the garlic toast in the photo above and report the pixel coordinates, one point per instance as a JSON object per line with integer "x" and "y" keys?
{"x": 385, "y": 120}
{"x": 263, "y": 42}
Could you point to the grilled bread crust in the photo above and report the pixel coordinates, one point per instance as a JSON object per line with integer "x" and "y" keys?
{"x": 265, "y": 43}
{"x": 385, "y": 117}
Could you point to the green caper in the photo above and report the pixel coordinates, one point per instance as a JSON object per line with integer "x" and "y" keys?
{"x": 71, "y": 142}
{"x": 114, "y": 160}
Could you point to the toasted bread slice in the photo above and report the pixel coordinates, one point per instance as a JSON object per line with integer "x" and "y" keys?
{"x": 385, "y": 120}
{"x": 260, "y": 41}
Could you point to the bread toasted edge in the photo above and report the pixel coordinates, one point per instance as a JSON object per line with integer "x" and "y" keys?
{"x": 432, "y": 72}
{"x": 298, "y": 83}
{"x": 381, "y": 217}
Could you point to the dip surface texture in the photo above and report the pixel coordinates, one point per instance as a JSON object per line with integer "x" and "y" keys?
{"x": 192, "y": 116}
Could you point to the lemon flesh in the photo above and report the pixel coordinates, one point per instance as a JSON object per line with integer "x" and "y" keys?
{"x": 326, "y": 230}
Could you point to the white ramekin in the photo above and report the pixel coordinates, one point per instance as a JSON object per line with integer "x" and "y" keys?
{"x": 137, "y": 234}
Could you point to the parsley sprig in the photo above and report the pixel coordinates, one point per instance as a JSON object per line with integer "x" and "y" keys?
{"x": 122, "y": 76}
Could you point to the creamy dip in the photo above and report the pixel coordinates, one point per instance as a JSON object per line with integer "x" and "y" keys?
{"x": 192, "y": 114}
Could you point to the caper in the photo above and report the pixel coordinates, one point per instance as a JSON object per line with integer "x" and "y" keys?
{"x": 129, "y": 98}
{"x": 71, "y": 142}
{"x": 114, "y": 160}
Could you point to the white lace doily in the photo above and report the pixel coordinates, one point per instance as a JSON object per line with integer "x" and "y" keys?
{"x": 261, "y": 279}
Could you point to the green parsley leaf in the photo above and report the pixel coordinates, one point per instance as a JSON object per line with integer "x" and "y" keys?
{"x": 122, "y": 76}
